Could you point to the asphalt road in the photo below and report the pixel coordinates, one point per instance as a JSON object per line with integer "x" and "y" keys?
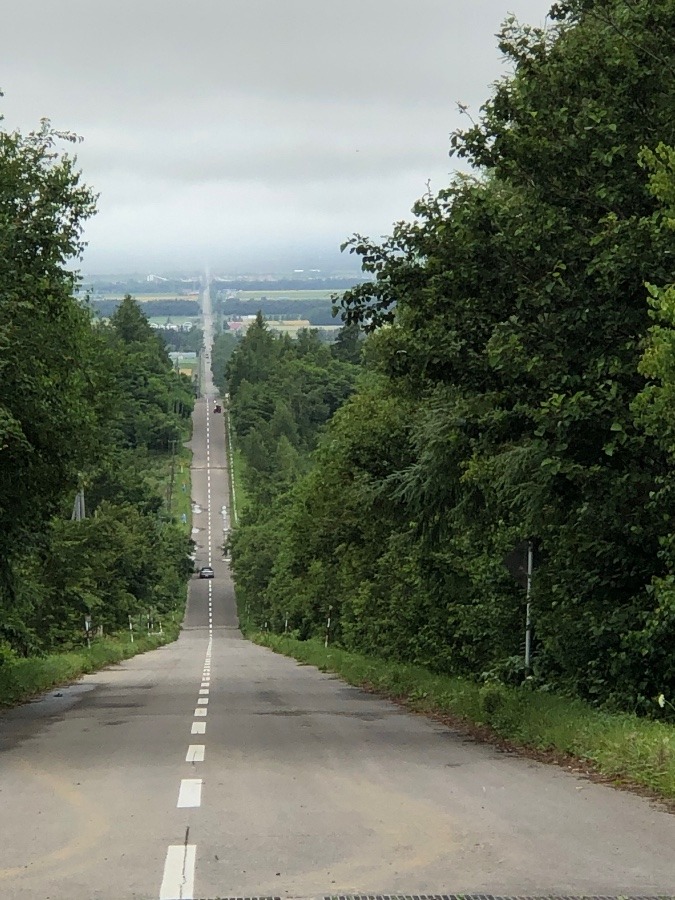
{"x": 214, "y": 768}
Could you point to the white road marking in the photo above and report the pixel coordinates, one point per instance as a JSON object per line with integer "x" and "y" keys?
{"x": 204, "y": 689}
{"x": 195, "y": 753}
{"x": 178, "y": 882}
{"x": 200, "y": 711}
{"x": 190, "y": 793}
{"x": 203, "y": 701}
{"x": 198, "y": 728}
{"x": 205, "y": 683}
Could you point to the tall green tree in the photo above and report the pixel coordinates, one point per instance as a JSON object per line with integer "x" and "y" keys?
{"x": 47, "y": 418}
{"x": 510, "y": 320}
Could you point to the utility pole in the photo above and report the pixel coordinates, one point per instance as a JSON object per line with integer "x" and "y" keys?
{"x": 79, "y": 512}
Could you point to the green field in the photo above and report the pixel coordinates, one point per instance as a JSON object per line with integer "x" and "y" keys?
{"x": 287, "y": 295}
{"x": 141, "y": 298}
{"x": 283, "y": 327}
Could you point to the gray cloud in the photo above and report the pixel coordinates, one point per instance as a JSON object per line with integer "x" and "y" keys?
{"x": 241, "y": 126}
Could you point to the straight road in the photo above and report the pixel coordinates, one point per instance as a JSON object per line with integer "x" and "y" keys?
{"x": 214, "y": 768}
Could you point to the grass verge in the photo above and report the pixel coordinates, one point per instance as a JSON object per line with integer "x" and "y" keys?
{"x": 624, "y": 749}
{"x": 240, "y": 490}
{"x": 21, "y": 679}
{"x": 236, "y": 485}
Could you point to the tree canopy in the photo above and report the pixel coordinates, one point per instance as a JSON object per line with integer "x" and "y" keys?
{"x": 81, "y": 406}
{"x": 517, "y": 386}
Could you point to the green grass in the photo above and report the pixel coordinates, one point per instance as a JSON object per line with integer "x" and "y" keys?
{"x": 158, "y": 474}
{"x": 239, "y": 488}
{"x": 236, "y": 479}
{"x": 621, "y": 747}
{"x": 181, "y": 502}
{"x": 22, "y": 679}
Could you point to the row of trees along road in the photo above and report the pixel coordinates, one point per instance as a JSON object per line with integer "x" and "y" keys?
{"x": 82, "y": 405}
{"x": 518, "y": 384}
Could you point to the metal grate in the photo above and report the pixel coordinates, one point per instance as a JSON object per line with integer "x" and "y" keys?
{"x": 446, "y": 897}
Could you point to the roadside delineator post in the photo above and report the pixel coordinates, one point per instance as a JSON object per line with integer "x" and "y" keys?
{"x": 330, "y": 608}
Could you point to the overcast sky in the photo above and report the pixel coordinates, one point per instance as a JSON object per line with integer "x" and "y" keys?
{"x": 250, "y": 135}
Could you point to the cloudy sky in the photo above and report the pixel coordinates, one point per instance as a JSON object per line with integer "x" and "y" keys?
{"x": 250, "y": 135}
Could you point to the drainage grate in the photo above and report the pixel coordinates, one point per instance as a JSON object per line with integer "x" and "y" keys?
{"x": 447, "y": 897}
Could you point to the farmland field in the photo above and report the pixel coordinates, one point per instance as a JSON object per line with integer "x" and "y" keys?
{"x": 292, "y": 328}
{"x": 287, "y": 295}
{"x": 141, "y": 298}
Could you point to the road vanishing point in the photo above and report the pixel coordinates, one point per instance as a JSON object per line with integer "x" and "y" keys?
{"x": 213, "y": 768}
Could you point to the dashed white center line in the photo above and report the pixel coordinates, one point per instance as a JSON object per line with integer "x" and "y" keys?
{"x": 198, "y": 728}
{"x": 204, "y": 689}
{"x": 190, "y": 793}
{"x": 200, "y": 711}
{"x": 203, "y": 701}
{"x": 195, "y": 753}
{"x": 178, "y": 882}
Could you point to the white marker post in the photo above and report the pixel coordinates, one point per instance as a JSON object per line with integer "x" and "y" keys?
{"x": 528, "y": 607}
{"x": 330, "y": 609}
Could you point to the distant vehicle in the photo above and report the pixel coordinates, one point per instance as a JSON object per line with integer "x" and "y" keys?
{"x": 217, "y": 408}
{"x": 206, "y": 572}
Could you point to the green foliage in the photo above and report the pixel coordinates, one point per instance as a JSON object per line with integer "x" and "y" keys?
{"x": 47, "y": 426}
{"x": 182, "y": 341}
{"x": 81, "y": 407}
{"x": 158, "y": 401}
{"x": 224, "y": 345}
{"x": 515, "y": 390}
{"x": 282, "y": 393}
{"x": 171, "y": 307}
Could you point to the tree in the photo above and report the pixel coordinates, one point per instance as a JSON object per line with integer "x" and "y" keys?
{"x": 47, "y": 422}
{"x": 129, "y": 323}
{"x": 509, "y": 317}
